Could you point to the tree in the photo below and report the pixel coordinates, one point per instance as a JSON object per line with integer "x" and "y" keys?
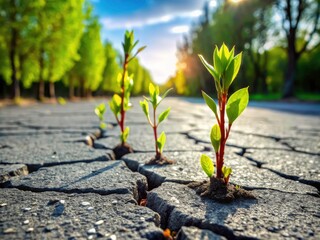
{"x": 18, "y": 23}
{"x": 90, "y": 67}
{"x": 61, "y": 25}
{"x": 300, "y": 23}
{"x": 111, "y": 70}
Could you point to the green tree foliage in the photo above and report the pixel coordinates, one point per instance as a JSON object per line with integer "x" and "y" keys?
{"x": 61, "y": 38}
{"x": 92, "y": 59}
{"x": 111, "y": 70}
{"x": 18, "y": 26}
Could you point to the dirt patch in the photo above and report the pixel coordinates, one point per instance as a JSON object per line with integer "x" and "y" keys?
{"x": 159, "y": 160}
{"x": 122, "y": 149}
{"x": 217, "y": 190}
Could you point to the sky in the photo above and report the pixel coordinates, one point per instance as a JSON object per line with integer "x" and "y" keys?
{"x": 159, "y": 24}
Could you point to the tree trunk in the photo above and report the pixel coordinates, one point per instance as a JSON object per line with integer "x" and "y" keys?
{"x": 52, "y": 90}
{"x": 12, "y": 54}
{"x": 71, "y": 88}
{"x": 82, "y": 88}
{"x": 288, "y": 90}
{"x": 264, "y": 74}
{"x": 41, "y": 80}
{"x": 14, "y": 79}
{"x": 88, "y": 93}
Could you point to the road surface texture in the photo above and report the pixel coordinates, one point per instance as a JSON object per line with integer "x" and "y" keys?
{"x": 54, "y": 186}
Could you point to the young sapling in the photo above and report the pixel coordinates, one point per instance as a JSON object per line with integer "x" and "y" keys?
{"x": 155, "y": 99}
{"x": 120, "y": 102}
{"x": 224, "y": 70}
{"x": 99, "y": 111}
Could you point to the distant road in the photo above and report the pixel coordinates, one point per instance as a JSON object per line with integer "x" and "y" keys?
{"x": 292, "y": 107}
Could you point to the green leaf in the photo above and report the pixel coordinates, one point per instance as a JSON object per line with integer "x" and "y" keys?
{"x": 115, "y": 104}
{"x": 98, "y": 113}
{"x": 215, "y": 136}
{"x": 116, "y": 99}
{"x": 231, "y": 55}
{"x": 141, "y": 49}
{"x": 217, "y": 61}
{"x": 135, "y": 44}
{"x": 128, "y": 83}
{"x": 126, "y": 102}
{"x": 157, "y": 90}
{"x": 237, "y": 102}
{"x": 232, "y": 70}
{"x": 166, "y": 93}
{"x": 161, "y": 141}
{"x": 207, "y": 165}
{"x": 159, "y": 99}
{"x": 145, "y": 107}
{"x": 100, "y": 110}
{"x": 151, "y": 90}
{"x": 226, "y": 171}
{"x": 164, "y": 115}
{"x": 125, "y": 134}
{"x": 210, "y": 102}
{"x": 103, "y": 125}
{"x": 153, "y": 94}
{"x": 225, "y": 54}
{"x": 211, "y": 70}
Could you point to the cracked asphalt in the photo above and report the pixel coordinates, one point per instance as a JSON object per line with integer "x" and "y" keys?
{"x": 54, "y": 186}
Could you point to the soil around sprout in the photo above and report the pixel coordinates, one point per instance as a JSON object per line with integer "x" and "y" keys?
{"x": 159, "y": 160}
{"x": 219, "y": 191}
{"x": 122, "y": 149}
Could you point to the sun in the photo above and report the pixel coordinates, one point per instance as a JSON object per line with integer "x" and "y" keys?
{"x": 235, "y": 1}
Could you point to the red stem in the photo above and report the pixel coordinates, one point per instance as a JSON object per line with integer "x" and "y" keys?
{"x": 220, "y": 159}
{"x": 155, "y": 132}
{"x": 123, "y": 113}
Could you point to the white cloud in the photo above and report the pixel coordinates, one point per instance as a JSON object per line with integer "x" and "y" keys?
{"x": 136, "y": 22}
{"x": 180, "y": 29}
{"x": 213, "y": 3}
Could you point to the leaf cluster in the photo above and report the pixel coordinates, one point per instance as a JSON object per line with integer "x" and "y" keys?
{"x": 129, "y": 44}
{"x": 116, "y": 101}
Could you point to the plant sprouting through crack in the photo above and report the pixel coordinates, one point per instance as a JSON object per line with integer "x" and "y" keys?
{"x": 99, "y": 111}
{"x": 155, "y": 99}
{"x": 120, "y": 102}
{"x": 224, "y": 70}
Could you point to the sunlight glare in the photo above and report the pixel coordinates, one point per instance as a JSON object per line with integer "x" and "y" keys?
{"x": 235, "y": 1}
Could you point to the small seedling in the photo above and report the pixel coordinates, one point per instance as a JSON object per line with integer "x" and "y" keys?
{"x": 224, "y": 70}
{"x": 120, "y": 102}
{"x": 99, "y": 111}
{"x": 155, "y": 99}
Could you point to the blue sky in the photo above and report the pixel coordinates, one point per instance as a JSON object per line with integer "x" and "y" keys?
{"x": 159, "y": 24}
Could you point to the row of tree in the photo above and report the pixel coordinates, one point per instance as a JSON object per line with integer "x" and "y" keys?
{"x": 280, "y": 40}
{"x": 44, "y": 43}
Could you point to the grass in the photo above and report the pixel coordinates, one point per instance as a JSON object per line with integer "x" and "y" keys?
{"x": 302, "y": 96}
{"x": 265, "y": 97}
{"x": 308, "y": 96}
